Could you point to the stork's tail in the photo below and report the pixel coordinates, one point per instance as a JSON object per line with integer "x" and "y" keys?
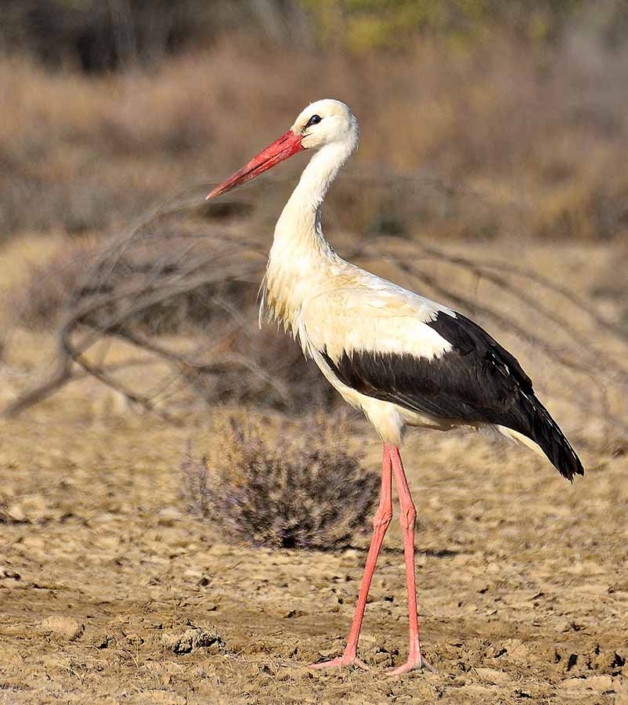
{"x": 534, "y": 423}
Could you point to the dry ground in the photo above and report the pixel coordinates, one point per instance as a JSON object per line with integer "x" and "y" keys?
{"x": 111, "y": 592}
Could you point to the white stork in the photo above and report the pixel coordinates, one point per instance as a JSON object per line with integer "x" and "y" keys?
{"x": 401, "y": 358}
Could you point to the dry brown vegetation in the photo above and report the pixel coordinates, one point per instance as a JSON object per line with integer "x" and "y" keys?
{"x": 496, "y": 140}
{"x": 295, "y": 486}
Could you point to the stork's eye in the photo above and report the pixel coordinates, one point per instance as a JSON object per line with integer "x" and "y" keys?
{"x": 314, "y": 120}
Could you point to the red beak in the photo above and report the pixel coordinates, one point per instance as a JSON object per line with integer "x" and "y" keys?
{"x": 278, "y": 151}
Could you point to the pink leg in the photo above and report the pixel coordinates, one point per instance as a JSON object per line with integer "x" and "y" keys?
{"x": 407, "y": 520}
{"x": 381, "y": 522}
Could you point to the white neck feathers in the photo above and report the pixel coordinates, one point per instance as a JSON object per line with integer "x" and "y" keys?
{"x": 300, "y": 257}
{"x": 301, "y": 215}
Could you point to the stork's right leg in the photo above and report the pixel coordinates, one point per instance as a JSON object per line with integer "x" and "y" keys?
{"x": 408, "y": 520}
{"x": 381, "y": 522}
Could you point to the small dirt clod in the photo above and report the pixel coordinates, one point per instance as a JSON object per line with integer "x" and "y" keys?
{"x": 66, "y": 628}
{"x": 192, "y": 639}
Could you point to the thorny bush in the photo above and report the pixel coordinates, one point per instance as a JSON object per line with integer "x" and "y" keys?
{"x": 296, "y": 489}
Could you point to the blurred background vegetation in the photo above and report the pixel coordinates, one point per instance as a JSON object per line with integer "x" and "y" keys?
{"x": 481, "y": 118}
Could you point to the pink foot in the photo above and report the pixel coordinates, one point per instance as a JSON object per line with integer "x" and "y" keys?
{"x": 340, "y": 662}
{"x": 415, "y": 663}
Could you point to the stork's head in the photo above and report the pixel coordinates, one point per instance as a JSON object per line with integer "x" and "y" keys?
{"x": 322, "y": 123}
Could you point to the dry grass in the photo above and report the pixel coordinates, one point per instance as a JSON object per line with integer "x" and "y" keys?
{"x": 294, "y": 488}
{"x": 532, "y": 139}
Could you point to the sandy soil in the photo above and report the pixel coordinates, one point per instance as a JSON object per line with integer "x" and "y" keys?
{"x": 110, "y": 592}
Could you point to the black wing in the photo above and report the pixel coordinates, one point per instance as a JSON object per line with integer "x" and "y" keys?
{"x": 476, "y": 381}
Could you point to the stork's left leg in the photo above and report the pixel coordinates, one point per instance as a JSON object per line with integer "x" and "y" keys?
{"x": 408, "y": 520}
{"x": 380, "y": 526}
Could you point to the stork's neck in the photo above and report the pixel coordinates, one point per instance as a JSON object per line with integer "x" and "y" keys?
{"x": 300, "y": 258}
{"x": 299, "y": 226}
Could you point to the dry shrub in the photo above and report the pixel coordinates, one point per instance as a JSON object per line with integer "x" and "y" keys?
{"x": 189, "y": 300}
{"x": 38, "y": 301}
{"x": 273, "y": 374}
{"x": 298, "y": 488}
{"x": 80, "y": 273}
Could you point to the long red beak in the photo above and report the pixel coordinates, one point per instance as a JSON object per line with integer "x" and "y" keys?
{"x": 278, "y": 151}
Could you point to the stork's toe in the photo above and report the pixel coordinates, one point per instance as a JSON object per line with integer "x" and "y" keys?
{"x": 341, "y": 661}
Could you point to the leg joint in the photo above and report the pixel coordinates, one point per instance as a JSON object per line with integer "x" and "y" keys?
{"x": 382, "y": 518}
{"x": 407, "y": 518}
